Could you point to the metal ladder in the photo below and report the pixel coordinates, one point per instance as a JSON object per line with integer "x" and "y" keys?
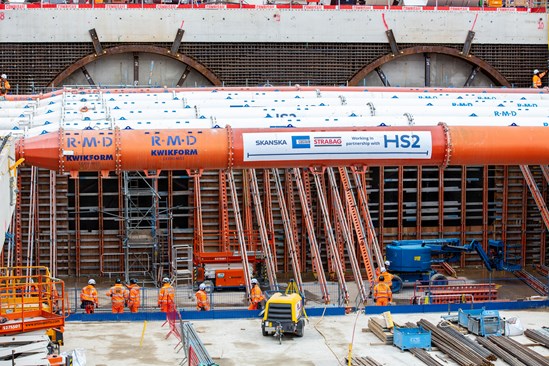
{"x": 288, "y": 186}
{"x": 182, "y": 265}
{"x": 198, "y": 239}
{"x": 315, "y": 252}
{"x": 370, "y": 229}
{"x": 330, "y": 237}
{"x": 536, "y": 194}
{"x": 268, "y": 212}
{"x": 347, "y": 235}
{"x": 288, "y": 231}
{"x": 357, "y": 224}
{"x": 240, "y": 232}
{"x": 223, "y": 211}
{"x": 271, "y": 270}
{"x": 53, "y": 223}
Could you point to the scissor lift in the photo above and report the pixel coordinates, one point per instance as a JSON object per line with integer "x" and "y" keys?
{"x": 31, "y": 303}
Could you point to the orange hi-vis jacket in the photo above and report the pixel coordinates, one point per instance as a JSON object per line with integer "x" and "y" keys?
{"x": 536, "y": 79}
{"x": 4, "y": 87}
{"x": 166, "y": 295}
{"x": 118, "y": 294}
{"x": 382, "y": 291}
{"x": 202, "y": 301}
{"x": 134, "y": 298}
{"x": 256, "y": 294}
{"x": 89, "y": 293}
{"x": 387, "y": 278}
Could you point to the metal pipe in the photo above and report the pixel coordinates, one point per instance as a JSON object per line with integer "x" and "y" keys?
{"x": 177, "y": 149}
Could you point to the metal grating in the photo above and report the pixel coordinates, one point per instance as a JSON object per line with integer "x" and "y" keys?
{"x": 32, "y": 66}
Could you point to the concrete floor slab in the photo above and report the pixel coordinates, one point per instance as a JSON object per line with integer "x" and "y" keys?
{"x": 235, "y": 342}
{"x": 118, "y": 343}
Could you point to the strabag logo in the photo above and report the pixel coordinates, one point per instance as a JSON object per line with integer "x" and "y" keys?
{"x": 327, "y": 141}
{"x": 301, "y": 142}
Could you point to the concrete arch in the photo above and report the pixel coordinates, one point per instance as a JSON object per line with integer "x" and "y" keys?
{"x": 487, "y": 69}
{"x": 203, "y": 70}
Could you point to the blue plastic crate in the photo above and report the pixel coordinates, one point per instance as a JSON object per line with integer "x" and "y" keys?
{"x": 406, "y": 338}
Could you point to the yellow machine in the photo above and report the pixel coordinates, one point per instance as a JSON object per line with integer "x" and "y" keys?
{"x": 284, "y": 313}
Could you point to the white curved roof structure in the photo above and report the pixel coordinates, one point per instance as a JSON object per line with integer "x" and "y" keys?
{"x": 274, "y": 108}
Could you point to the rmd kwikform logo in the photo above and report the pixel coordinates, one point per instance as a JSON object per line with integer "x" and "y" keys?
{"x": 301, "y": 142}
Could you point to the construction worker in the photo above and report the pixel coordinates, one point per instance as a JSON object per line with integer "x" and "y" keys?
{"x": 387, "y": 277}
{"x": 382, "y": 293}
{"x": 536, "y": 78}
{"x": 55, "y": 298}
{"x": 256, "y": 296}
{"x": 134, "y": 297}
{"x": 378, "y": 269}
{"x": 4, "y": 86}
{"x": 119, "y": 297}
{"x": 89, "y": 298}
{"x": 166, "y": 296}
{"x": 202, "y": 301}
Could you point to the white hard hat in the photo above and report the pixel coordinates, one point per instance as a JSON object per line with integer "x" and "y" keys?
{"x": 536, "y": 71}
{"x": 383, "y": 270}
{"x": 202, "y": 286}
{"x": 387, "y": 263}
{"x": 91, "y": 282}
{"x": 4, "y": 76}
{"x": 254, "y": 280}
{"x": 165, "y": 280}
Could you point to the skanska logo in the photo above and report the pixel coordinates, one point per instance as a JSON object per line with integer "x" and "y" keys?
{"x": 270, "y": 142}
{"x": 301, "y": 142}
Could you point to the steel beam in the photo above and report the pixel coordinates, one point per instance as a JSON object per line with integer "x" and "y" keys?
{"x": 177, "y": 41}
{"x": 392, "y": 41}
{"x": 472, "y": 75}
{"x": 135, "y": 69}
{"x": 382, "y": 76}
{"x": 184, "y": 76}
{"x": 468, "y": 42}
{"x": 427, "y": 69}
{"x": 87, "y": 76}
{"x": 96, "y": 43}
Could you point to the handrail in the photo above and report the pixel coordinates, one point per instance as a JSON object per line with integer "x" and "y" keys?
{"x": 31, "y": 302}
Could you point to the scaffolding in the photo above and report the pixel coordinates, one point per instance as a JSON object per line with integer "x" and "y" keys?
{"x": 146, "y": 228}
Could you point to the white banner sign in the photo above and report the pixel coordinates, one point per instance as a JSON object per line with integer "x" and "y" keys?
{"x": 337, "y": 145}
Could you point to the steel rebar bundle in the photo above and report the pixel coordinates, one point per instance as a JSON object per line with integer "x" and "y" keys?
{"x": 538, "y": 336}
{"x": 424, "y": 356}
{"x": 475, "y": 347}
{"x": 526, "y": 355}
{"x": 363, "y": 361}
{"x": 500, "y": 352}
{"x": 453, "y": 347}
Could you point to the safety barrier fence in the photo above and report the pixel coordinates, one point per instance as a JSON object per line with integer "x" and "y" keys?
{"x": 195, "y": 351}
{"x": 185, "y": 297}
{"x": 497, "y": 288}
